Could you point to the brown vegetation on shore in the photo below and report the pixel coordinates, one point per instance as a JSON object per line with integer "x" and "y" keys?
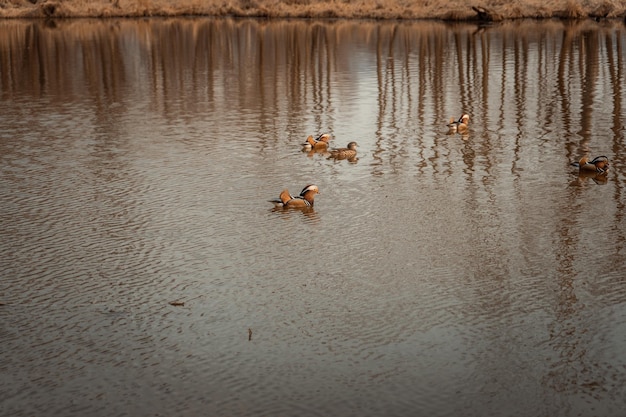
{"x": 347, "y": 9}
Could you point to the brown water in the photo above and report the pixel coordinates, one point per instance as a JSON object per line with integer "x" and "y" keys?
{"x": 438, "y": 275}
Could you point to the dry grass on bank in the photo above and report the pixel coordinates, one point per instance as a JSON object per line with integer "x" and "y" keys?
{"x": 377, "y": 9}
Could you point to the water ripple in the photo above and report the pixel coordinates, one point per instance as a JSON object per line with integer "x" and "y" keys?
{"x": 144, "y": 271}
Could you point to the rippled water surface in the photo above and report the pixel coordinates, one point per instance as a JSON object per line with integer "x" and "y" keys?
{"x": 144, "y": 271}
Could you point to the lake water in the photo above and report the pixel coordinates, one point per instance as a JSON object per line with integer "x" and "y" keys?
{"x": 145, "y": 273}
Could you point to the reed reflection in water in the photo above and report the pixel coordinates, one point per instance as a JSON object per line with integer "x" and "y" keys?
{"x": 437, "y": 275}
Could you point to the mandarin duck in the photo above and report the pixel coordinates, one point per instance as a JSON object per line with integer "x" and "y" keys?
{"x": 599, "y": 164}
{"x": 305, "y": 199}
{"x": 344, "y": 153}
{"x": 321, "y": 142}
{"x": 461, "y": 125}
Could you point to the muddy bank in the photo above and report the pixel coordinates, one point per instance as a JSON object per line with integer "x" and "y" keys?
{"x": 350, "y": 9}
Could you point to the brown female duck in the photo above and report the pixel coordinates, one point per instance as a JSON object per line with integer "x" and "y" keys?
{"x": 344, "y": 153}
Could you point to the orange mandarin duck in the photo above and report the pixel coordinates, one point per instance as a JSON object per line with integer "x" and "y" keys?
{"x": 344, "y": 153}
{"x": 319, "y": 143}
{"x": 459, "y": 126}
{"x": 304, "y": 200}
{"x": 599, "y": 164}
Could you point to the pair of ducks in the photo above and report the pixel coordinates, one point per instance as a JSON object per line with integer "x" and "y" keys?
{"x": 321, "y": 144}
{"x": 598, "y": 165}
{"x": 306, "y": 198}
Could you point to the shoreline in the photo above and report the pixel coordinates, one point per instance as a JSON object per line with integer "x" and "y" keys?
{"x": 450, "y": 10}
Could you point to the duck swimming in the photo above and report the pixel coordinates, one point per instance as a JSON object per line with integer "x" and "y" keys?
{"x": 344, "y": 153}
{"x": 321, "y": 142}
{"x": 599, "y": 164}
{"x": 459, "y": 126}
{"x": 305, "y": 199}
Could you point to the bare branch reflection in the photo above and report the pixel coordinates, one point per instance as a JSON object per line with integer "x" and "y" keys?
{"x": 496, "y": 212}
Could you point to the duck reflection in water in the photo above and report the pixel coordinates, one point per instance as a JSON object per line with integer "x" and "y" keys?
{"x": 315, "y": 151}
{"x": 582, "y": 177}
{"x": 308, "y": 212}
